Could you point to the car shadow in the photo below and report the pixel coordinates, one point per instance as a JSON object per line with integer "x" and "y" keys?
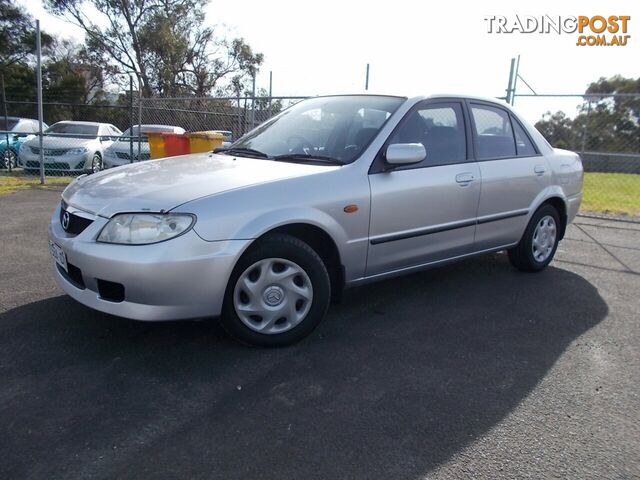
{"x": 399, "y": 377}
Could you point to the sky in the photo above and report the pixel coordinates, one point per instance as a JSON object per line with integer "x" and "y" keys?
{"x": 415, "y": 47}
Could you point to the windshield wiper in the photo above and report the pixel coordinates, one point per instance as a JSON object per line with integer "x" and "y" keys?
{"x": 242, "y": 151}
{"x": 308, "y": 156}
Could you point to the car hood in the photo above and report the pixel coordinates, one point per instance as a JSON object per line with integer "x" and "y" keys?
{"x": 158, "y": 185}
{"x": 61, "y": 142}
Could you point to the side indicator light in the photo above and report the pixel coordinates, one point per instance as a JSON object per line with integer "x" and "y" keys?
{"x": 350, "y": 209}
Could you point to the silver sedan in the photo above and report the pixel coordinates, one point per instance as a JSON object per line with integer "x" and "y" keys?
{"x": 333, "y": 192}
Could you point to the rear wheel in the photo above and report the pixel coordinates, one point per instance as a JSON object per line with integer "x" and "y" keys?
{"x": 539, "y": 242}
{"x": 277, "y": 294}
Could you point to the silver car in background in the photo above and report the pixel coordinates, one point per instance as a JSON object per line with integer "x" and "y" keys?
{"x": 69, "y": 147}
{"x": 333, "y": 192}
{"x": 119, "y": 153}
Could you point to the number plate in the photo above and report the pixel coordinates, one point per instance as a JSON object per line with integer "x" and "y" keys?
{"x": 49, "y": 160}
{"x": 58, "y": 255}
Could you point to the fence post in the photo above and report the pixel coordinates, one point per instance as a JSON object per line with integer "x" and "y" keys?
{"x": 39, "y": 88}
{"x": 585, "y": 128}
{"x": 6, "y": 123}
{"x": 130, "y": 118}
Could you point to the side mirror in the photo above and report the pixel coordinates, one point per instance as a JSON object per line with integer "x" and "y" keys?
{"x": 405, "y": 153}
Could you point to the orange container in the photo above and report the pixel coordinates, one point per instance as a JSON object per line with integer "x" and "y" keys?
{"x": 156, "y": 144}
{"x": 176, "y": 144}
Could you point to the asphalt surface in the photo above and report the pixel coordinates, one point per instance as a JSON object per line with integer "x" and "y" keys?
{"x": 469, "y": 370}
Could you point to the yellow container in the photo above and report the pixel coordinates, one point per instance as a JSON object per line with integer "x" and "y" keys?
{"x": 205, "y": 141}
{"x": 156, "y": 145}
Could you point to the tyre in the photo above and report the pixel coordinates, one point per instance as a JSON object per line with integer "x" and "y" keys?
{"x": 539, "y": 243}
{"x": 9, "y": 159}
{"x": 278, "y": 293}
{"x": 96, "y": 163}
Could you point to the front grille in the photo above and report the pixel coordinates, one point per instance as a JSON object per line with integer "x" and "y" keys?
{"x": 76, "y": 225}
{"x": 50, "y": 152}
{"x": 73, "y": 275}
{"x": 48, "y": 165}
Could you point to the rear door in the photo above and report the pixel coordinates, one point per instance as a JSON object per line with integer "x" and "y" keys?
{"x": 425, "y": 212}
{"x": 513, "y": 174}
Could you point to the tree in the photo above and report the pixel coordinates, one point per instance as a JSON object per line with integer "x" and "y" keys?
{"x": 605, "y": 123}
{"x": 163, "y": 41}
{"x": 17, "y": 35}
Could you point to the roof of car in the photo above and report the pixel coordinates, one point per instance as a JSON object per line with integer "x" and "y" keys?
{"x": 95, "y": 124}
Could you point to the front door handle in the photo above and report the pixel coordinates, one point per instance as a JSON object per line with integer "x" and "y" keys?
{"x": 464, "y": 178}
{"x": 539, "y": 169}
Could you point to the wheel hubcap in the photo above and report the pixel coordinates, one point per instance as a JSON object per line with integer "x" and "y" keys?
{"x": 273, "y": 296}
{"x": 544, "y": 239}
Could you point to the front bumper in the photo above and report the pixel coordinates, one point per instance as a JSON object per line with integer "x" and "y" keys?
{"x": 185, "y": 277}
{"x": 62, "y": 163}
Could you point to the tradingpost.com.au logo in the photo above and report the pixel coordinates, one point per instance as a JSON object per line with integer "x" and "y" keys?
{"x": 590, "y": 31}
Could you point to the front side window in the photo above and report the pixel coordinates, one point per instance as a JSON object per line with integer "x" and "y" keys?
{"x": 339, "y": 127}
{"x": 493, "y": 132}
{"x": 440, "y": 128}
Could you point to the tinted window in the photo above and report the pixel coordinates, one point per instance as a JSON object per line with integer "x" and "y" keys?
{"x": 71, "y": 129}
{"x": 8, "y": 125}
{"x": 493, "y": 132}
{"x": 440, "y": 128}
{"x": 524, "y": 147}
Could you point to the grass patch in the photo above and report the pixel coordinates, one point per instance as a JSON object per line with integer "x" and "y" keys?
{"x": 613, "y": 193}
{"x": 17, "y": 180}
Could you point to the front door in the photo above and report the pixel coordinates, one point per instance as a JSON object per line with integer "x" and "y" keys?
{"x": 425, "y": 212}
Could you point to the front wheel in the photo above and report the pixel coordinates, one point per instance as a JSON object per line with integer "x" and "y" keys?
{"x": 277, "y": 294}
{"x": 96, "y": 163}
{"x": 9, "y": 159}
{"x": 539, "y": 242}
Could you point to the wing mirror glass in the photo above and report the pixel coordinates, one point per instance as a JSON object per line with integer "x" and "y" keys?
{"x": 405, "y": 153}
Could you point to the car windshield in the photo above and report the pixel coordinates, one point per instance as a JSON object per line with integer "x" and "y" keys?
{"x": 73, "y": 129}
{"x": 8, "y": 125}
{"x": 338, "y": 128}
{"x": 135, "y": 131}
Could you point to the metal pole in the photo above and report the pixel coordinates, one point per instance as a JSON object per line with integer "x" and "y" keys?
{"x": 270, "y": 92}
{"x": 39, "y": 89}
{"x": 584, "y": 128}
{"x": 6, "y": 121}
{"x": 515, "y": 81}
{"x": 239, "y": 132}
{"x": 511, "y": 71}
{"x": 130, "y": 119}
{"x": 366, "y": 79}
{"x": 139, "y": 114}
{"x": 253, "y": 103}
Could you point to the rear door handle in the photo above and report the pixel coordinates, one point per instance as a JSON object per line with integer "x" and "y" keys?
{"x": 539, "y": 169}
{"x": 464, "y": 178}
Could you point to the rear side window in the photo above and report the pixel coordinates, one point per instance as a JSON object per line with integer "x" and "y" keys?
{"x": 493, "y": 132}
{"x": 440, "y": 128}
{"x": 524, "y": 148}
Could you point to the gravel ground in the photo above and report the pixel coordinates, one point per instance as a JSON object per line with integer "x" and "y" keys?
{"x": 469, "y": 370}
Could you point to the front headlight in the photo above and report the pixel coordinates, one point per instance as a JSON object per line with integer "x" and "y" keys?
{"x": 145, "y": 228}
{"x": 77, "y": 151}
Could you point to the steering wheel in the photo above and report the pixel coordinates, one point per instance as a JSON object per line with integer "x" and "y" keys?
{"x": 299, "y": 141}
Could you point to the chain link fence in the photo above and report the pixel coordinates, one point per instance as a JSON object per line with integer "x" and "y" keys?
{"x": 604, "y": 129}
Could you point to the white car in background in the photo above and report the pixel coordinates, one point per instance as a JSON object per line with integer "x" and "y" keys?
{"x": 69, "y": 146}
{"x": 119, "y": 153}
